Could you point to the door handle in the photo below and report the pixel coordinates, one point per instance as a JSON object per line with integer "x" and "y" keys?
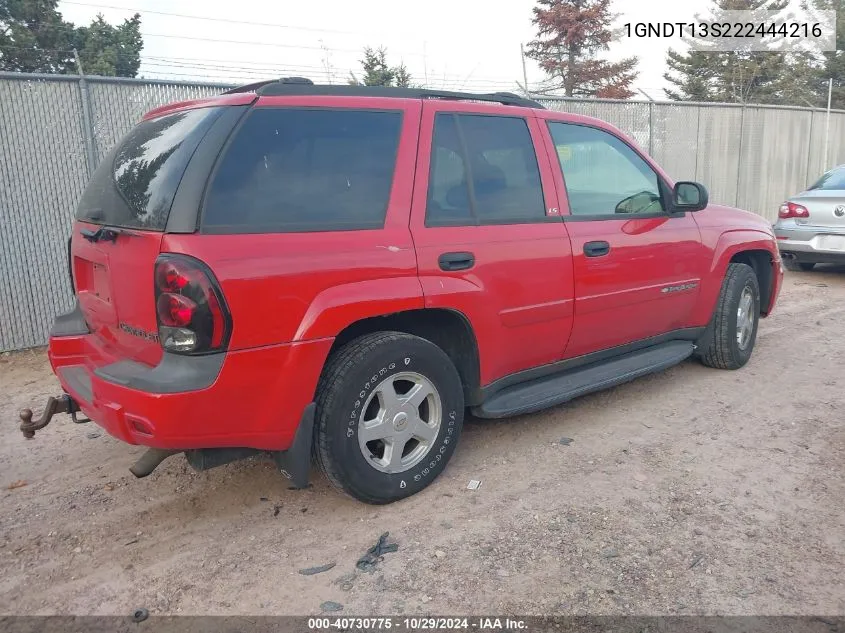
{"x": 596, "y": 249}
{"x": 456, "y": 261}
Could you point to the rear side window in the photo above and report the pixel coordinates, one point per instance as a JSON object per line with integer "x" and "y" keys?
{"x": 293, "y": 170}
{"x": 135, "y": 184}
{"x": 483, "y": 171}
{"x": 834, "y": 180}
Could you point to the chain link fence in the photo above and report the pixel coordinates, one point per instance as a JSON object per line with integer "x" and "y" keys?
{"x": 55, "y": 129}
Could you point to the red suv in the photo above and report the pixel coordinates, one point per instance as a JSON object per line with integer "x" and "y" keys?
{"x": 342, "y": 271}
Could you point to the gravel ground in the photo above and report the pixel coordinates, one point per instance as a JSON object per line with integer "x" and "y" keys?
{"x": 694, "y": 491}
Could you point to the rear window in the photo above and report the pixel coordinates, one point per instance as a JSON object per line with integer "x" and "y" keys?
{"x": 135, "y": 184}
{"x": 834, "y": 180}
{"x": 298, "y": 169}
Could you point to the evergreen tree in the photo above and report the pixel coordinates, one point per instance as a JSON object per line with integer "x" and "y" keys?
{"x": 742, "y": 76}
{"x": 571, "y": 34}
{"x": 831, "y": 65}
{"x": 377, "y": 72}
{"x": 35, "y": 38}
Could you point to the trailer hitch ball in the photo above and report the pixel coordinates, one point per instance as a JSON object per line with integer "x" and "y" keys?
{"x": 62, "y": 404}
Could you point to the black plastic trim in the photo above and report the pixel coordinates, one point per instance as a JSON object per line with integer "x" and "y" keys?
{"x": 295, "y": 463}
{"x": 279, "y": 88}
{"x": 176, "y": 373}
{"x": 685, "y": 334}
{"x": 185, "y": 210}
{"x": 78, "y": 381}
{"x": 70, "y": 323}
{"x": 552, "y": 390}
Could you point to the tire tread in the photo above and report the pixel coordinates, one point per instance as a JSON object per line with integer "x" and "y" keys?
{"x": 720, "y": 352}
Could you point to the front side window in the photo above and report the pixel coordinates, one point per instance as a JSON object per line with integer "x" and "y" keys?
{"x": 305, "y": 169}
{"x": 603, "y": 175}
{"x": 483, "y": 171}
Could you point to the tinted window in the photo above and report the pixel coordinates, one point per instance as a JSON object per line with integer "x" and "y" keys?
{"x": 832, "y": 180}
{"x": 603, "y": 175}
{"x": 483, "y": 171}
{"x": 135, "y": 184}
{"x": 305, "y": 170}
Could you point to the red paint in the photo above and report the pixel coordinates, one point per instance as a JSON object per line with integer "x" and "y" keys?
{"x": 531, "y": 298}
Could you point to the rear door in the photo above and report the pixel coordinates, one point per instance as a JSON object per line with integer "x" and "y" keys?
{"x": 489, "y": 240}
{"x": 119, "y": 227}
{"x": 637, "y": 268}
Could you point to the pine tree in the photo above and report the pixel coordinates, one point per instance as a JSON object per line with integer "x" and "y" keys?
{"x": 377, "y": 72}
{"x": 35, "y": 38}
{"x": 110, "y": 50}
{"x": 737, "y": 76}
{"x": 831, "y": 65}
{"x": 571, "y": 34}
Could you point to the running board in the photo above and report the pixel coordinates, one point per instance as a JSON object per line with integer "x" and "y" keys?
{"x": 549, "y": 391}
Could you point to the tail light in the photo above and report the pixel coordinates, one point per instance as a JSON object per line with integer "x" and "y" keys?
{"x": 190, "y": 308}
{"x": 792, "y": 210}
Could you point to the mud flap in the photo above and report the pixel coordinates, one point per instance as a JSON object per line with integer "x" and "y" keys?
{"x": 295, "y": 463}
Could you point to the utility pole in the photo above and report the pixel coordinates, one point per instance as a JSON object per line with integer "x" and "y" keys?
{"x": 524, "y": 71}
{"x": 78, "y": 63}
{"x": 827, "y": 124}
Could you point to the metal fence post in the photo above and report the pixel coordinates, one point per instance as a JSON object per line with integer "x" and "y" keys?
{"x": 87, "y": 122}
{"x": 740, "y": 162}
{"x": 651, "y": 128}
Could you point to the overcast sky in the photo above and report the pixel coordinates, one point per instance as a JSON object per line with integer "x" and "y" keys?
{"x": 451, "y": 44}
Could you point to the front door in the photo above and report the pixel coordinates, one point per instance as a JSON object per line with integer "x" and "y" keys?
{"x": 489, "y": 240}
{"x": 637, "y": 268}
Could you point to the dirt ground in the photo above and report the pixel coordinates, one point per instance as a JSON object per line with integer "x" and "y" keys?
{"x": 694, "y": 491}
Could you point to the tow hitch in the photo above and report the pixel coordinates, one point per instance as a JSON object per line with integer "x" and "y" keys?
{"x": 62, "y": 404}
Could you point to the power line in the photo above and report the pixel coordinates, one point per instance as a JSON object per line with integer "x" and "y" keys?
{"x": 253, "y": 43}
{"x": 227, "y": 21}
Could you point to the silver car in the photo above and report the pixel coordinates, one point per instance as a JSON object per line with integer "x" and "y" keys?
{"x": 811, "y": 226}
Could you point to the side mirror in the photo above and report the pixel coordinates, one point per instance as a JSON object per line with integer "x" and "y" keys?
{"x": 689, "y": 196}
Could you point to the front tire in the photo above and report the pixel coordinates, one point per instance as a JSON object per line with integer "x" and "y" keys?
{"x": 735, "y": 320}
{"x": 390, "y": 410}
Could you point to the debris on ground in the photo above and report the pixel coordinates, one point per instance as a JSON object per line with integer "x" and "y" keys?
{"x": 610, "y": 552}
{"x": 276, "y": 510}
{"x": 474, "y": 484}
{"x": 20, "y": 483}
{"x": 93, "y": 435}
{"x": 565, "y": 441}
{"x": 139, "y": 615}
{"x": 132, "y": 542}
{"x": 263, "y": 499}
{"x": 310, "y": 571}
{"x": 330, "y": 607}
{"x": 376, "y": 553}
{"x": 696, "y": 561}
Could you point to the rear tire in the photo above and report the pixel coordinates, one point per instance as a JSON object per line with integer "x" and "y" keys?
{"x": 735, "y": 320}
{"x": 390, "y": 409}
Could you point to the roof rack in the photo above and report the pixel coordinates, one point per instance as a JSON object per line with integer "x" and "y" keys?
{"x": 302, "y": 86}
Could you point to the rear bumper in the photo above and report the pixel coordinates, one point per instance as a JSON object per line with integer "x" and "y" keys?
{"x": 809, "y": 243}
{"x": 251, "y": 398}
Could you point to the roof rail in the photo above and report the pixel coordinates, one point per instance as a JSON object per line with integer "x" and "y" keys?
{"x": 301, "y": 86}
